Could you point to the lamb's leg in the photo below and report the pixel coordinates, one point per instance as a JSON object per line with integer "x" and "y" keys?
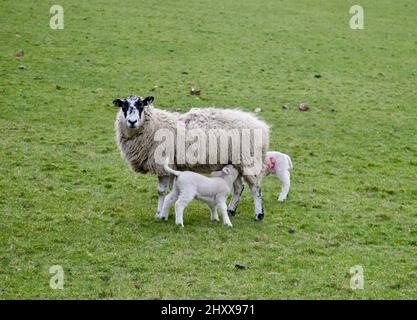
{"x": 238, "y": 187}
{"x": 180, "y": 205}
{"x": 163, "y": 182}
{"x": 284, "y": 176}
{"x": 223, "y": 209}
{"x": 214, "y": 215}
{"x": 169, "y": 199}
{"x": 255, "y": 187}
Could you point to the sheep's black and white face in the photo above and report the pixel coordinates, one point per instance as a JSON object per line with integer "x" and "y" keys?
{"x": 132, "y": 108}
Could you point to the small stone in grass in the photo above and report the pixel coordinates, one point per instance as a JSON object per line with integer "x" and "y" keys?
{"x": 195, "y": 92}
{"x": 285, "y": 107}
{"x": 257, "y": 110}
{"x": 22, "y": 67}
{"x": 317, "y": 76}
{"x": 291, "y": 230}
{"x": 20, "y": 53}
{"x": 240, "y": 266}
{"x": 333, "y": 110}
{"x": 303, "y": 106}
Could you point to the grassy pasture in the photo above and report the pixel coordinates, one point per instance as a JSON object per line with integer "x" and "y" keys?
{"x": 66, "y": 197}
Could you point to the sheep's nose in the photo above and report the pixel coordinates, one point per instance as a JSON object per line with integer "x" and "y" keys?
{"x": 132, "y": 122}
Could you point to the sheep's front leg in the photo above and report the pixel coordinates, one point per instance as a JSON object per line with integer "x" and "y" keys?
{"x": 238, "y": 187}
{"x": 163, "y": 182}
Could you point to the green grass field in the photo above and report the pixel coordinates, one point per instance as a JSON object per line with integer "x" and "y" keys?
{"x": 67, "y": 198}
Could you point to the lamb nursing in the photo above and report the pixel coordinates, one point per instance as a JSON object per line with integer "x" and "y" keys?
{"x": 138, "y": 133}
{"x": 190, "y": 185}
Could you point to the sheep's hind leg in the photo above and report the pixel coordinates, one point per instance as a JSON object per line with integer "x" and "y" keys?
{"x": 255, "y": 187}
{"x": 163, "y": 182}
{"x": 238, "y": 187}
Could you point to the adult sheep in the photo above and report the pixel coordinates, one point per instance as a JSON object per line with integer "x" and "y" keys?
{"x": 138, "y": 134}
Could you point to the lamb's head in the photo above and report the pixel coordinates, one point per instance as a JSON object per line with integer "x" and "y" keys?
{"x": 132, "y": 108}
{"x": 228, "y": 171}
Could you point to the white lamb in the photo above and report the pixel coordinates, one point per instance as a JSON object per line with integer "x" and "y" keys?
{"x": 211, "y": 190}
{"x": 280, "y": 164}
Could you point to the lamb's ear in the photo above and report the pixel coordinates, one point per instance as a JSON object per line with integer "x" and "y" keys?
{"x": 148, "y": 100}
{"x": 226, "y": 170}
{"x": 118, "y": 103}
{"x": 217, "y": 174}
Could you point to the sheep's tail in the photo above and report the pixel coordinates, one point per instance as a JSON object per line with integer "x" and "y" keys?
{"x": 168, "y": 169}
{"x": 289, "y": 161}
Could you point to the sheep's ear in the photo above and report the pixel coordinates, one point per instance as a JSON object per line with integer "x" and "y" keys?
{"x": 226, "y": 170}
{"x": 118, "y": 103}
{"x": 148, "y": 100}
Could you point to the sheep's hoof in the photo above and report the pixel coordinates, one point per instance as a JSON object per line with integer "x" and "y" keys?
{"x": 215, "y": 220}
{"x": 281, "y": 200}
{"x": 228, "y": 225}
{"x": 259, "y": 216}
{"x": 231, "y": 212}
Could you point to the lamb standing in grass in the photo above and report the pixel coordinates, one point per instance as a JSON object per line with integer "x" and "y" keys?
{"x": 190, "y": 185}
{"x": 137, "y": 123}
{"x": 280, "y": 164}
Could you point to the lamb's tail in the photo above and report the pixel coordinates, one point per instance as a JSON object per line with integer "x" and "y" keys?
{"x": 289, "y": 161}
{"x": 168, "y": 169}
